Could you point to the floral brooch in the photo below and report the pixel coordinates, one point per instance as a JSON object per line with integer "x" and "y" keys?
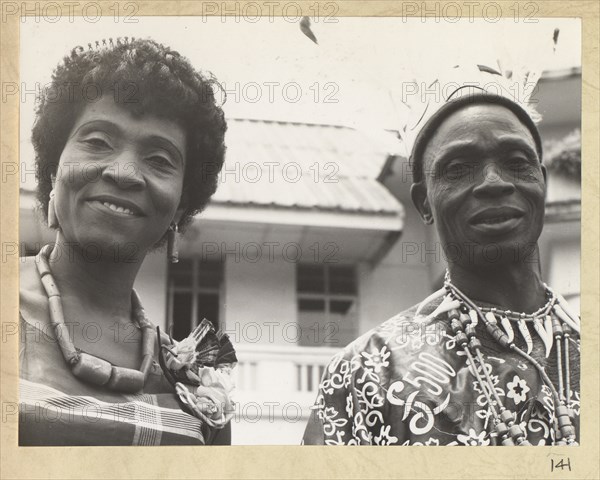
{"x": 200, "y": 369}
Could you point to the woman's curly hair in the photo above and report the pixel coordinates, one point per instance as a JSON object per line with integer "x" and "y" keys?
{"x": 146, "y": 78}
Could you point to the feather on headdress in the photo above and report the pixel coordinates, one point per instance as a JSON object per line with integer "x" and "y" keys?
{"x": 511, "y": 78}
{"x": 425, "y": 100}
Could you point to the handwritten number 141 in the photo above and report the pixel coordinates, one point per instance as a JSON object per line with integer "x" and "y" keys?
{"x": 561, "y": 464}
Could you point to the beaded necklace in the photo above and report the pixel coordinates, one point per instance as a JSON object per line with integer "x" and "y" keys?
{"x": 87, "y": 367}
{"x": 464, "y": 315}
{"x": 541, "y": 320}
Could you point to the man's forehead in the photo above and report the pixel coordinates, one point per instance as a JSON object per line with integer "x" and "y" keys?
{"x": 470, "y": 115}
{"x": 472, "y": 123}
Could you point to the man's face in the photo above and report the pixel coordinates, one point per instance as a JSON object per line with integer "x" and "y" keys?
{"x": 483, "y": 186}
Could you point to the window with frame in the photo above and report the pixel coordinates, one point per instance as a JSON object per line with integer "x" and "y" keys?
{"x": 194, "y": 291}
{"x": 327, "y": 302}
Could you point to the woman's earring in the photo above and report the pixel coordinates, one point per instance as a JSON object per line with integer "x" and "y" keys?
{"x": 52, "y": 219}
{"x": 428, "y": 219}
{"x": 172, "y": 240}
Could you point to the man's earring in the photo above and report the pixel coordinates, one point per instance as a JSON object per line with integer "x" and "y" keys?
{"x": 52, "y": 219}
{"x": 172, "y": 240}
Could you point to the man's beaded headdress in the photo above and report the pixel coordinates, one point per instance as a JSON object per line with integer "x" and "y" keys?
{"x": 430, "y": 101}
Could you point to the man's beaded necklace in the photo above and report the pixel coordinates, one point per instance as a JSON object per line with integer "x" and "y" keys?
{"x": 463, "y": 317}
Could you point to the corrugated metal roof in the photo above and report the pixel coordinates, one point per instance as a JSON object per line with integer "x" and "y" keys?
{"x": 303, "y": 166}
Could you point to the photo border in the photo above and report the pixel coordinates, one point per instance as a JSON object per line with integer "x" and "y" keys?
{"x": 303, "y": 462}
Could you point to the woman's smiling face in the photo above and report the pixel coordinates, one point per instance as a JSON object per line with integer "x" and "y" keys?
{"x": 483, "y": 186}
{"x": 120, "y": 178}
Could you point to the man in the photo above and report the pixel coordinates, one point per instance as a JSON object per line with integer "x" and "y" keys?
{"x": 493, "y": 357}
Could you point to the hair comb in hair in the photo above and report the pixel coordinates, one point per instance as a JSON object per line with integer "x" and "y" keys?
{"x": 98, "y": 46}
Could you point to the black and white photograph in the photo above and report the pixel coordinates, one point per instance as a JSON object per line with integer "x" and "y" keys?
{"x": 305, "y": 229}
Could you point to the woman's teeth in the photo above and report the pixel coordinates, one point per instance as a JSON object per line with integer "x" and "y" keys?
{"x": 114, "y": 207}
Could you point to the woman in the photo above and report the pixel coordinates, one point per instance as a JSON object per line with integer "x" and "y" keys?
{"x": 492, "y": 358}
{"x": 129, "y": 141}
